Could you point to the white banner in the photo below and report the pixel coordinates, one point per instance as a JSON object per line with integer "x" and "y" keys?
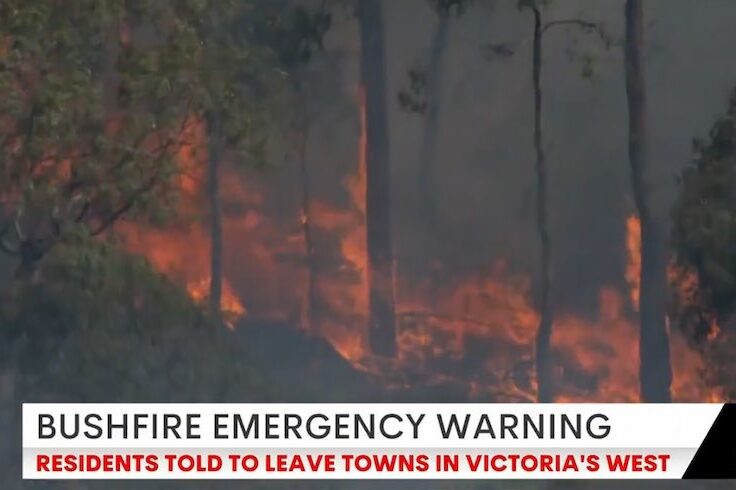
{"x": 380, "y": 441}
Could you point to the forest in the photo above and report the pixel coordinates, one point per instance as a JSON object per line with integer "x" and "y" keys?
{"x": 365, "y": 200}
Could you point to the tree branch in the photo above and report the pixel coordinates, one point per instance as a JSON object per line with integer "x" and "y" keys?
{"x": 159, "y": 152}
{"x": 126, "y": 206}
{"x": 440, "y": 316}
{"x": 584, "y": 25}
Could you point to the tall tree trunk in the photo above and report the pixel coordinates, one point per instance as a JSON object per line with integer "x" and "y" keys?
{"x": 428, "y": 149}
{"x": 654, "y": 354}
{"x": 544, "y": 332}
{"x": 214, "y": 154}
{"x": 310, "y": 300}
{"x": 382, "y": 321}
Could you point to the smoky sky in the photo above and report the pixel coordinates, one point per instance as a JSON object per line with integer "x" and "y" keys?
{"x": 486, "y": 117}
{"x": 484, "y": 150}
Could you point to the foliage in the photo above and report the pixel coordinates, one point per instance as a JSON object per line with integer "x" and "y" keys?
{"x": 587, "y": 59}
{"x": 294, "y": 31}
{"x": 83, "y": 135}
{"x": 704, "y": 225}
{"x": 98, "y": 100}
{"x": 103, "y": 326}
{"x": 414, "y": 98}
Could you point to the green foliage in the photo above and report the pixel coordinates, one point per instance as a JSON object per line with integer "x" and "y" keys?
{"x": 98, "y": 100}
{"x": 704, "y": 224}
{"x": 103, "y": 326}
{"x": 89, "y": 119}
{"x": 293, "y": 31}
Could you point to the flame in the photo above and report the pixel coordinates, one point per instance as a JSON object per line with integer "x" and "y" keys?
{"x": 345, "y": 290}
{"x": 182, "y": 251}
{"x": 229, "y": 304}
{"x": 688, "y": 365}
{"x": 488, "y": 321}
{"x": 633, "y": 254}
{"x": 472, "y": 331}
{"x": 485, "y": 324}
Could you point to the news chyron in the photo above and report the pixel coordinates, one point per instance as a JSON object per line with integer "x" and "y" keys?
{"x": 375, "y": 441}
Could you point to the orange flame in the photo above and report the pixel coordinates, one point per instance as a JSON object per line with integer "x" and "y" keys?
{"x": 688, "y": 365}
{"x": 345, "y": 292}
{"x": 475, "y": 332}
{"x": 181, "y": 252}
{"x": 633, "y": 264}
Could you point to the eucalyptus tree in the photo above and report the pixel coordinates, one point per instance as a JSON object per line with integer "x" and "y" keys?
{"x": 91, "y": 118}
{"x": 99, "y": 98}
{"x": 382, "y": 314}
{"x": 296, "y": 31}
{"x": 541, "y": 27}
{"x": 655, "y": 373}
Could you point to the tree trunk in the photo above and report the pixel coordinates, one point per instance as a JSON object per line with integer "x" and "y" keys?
{"x": 213, "y": 191}
{"x": 544, "y": 332}
{"x": 310, "y": 300}
{"x": 382, "y": 321}
{"x": 31, "y": 254}
{"x": 428, "y": 151}
{"x": 654, "y": 371}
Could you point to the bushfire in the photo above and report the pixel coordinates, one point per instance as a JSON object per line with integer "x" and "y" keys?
{"x": 475, "y": 332}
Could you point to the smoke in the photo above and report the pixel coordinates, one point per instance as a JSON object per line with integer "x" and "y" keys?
{"x": 469, "y": 315}
{"x": 485, "y": 159}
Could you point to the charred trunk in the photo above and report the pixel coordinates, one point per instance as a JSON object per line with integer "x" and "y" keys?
{"x": 654, "y": 355}
{"x": 382, "y": 321}
{"x": 214, "y": 154}
{"x": 544, "y": 332}
{"x": 310, "y": 301}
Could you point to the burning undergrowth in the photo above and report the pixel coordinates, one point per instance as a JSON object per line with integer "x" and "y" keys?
{"x": 471, "y": 336}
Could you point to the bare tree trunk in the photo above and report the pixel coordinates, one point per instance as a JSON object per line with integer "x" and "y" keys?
{"x": 382, "y": 321}
{"x": 544, "y": 332}
{"x": 310, "y": 300}
{"x": 428, "y": 149}
{"x": 654, "y": 371}
{"x": 213, "y": 191}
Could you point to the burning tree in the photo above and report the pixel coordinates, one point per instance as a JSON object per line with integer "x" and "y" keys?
{"x": 100, "y": 98}
{"x": 543, "y": 350}
{"x": 544, "y": 333}
{"x": 382, "y": 315}
{"x": 295, "y": 33}
{"x": 654, "y": 371}
{"x": 229, "y": 81}
{"x": 703, "y": 218}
